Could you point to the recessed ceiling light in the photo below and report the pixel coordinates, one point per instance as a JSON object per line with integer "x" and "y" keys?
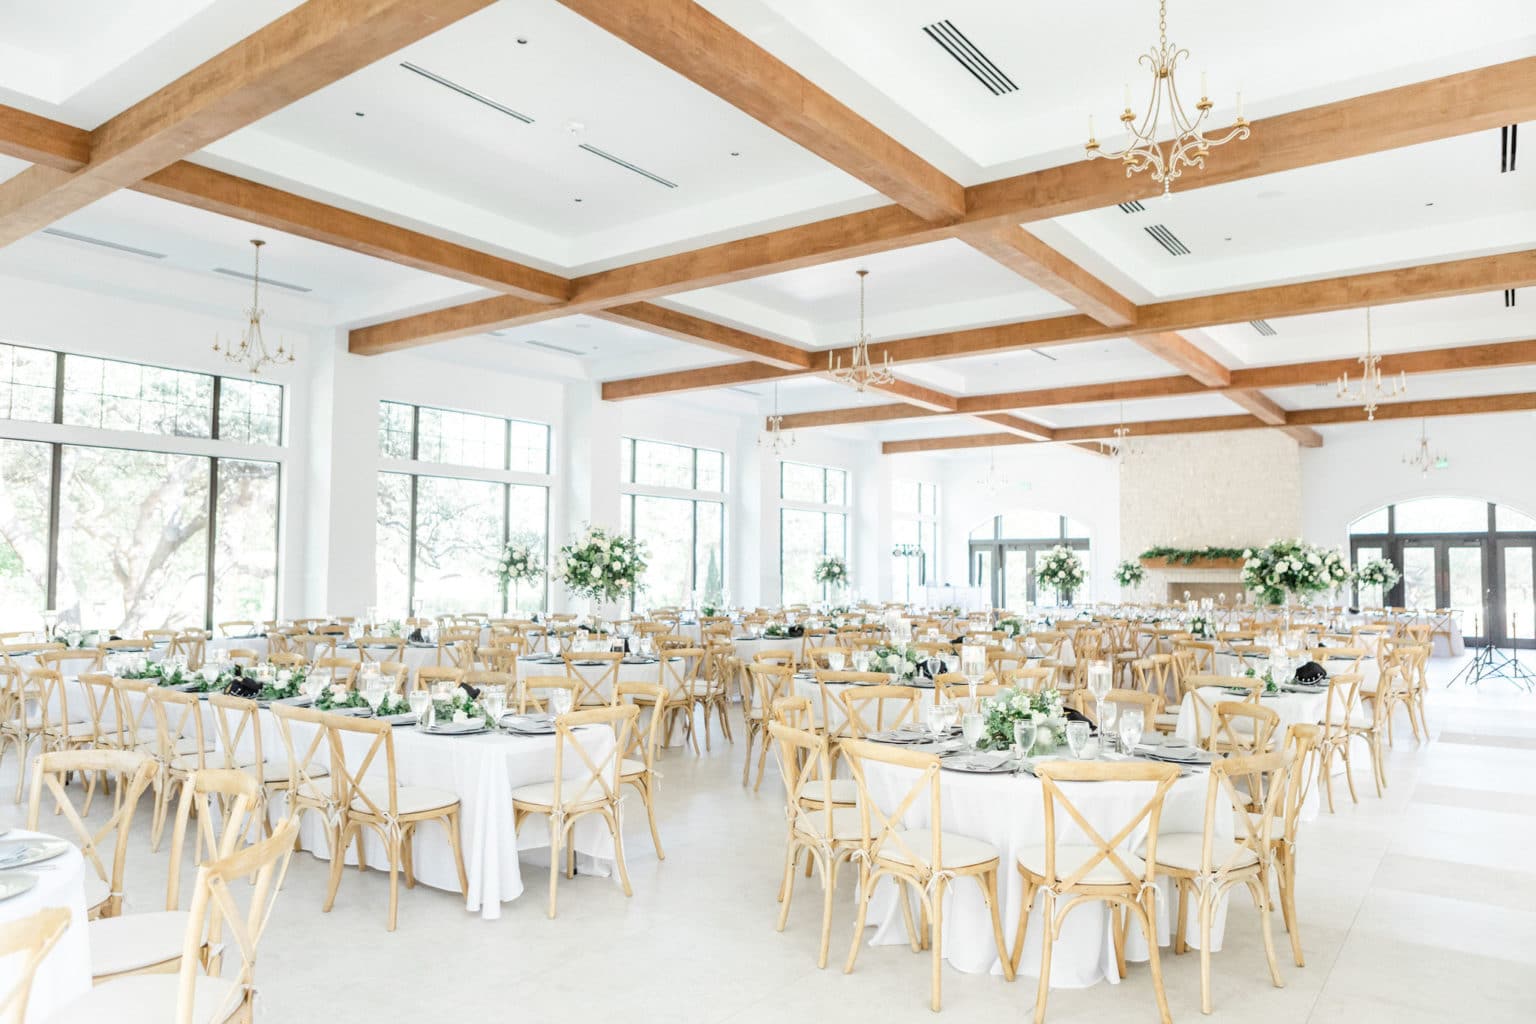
{"x": 521, "y": 41}
{"x": 1429, "y": 204}
{"x": 1228, "y": 238}
{"x": 735, "y": 152}
{"x": 576, "y": 200}
{"x": 358, "y": 113}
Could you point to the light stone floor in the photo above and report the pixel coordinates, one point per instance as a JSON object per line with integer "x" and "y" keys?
{"x": 1417, "y": 907}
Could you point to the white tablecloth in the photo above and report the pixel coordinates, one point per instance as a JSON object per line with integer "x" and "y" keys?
{"x": 1008, "y": 812}
{"x": 65, "y": 974}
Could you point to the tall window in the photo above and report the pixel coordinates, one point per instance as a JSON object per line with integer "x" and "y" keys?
{"x": 1005, "y": 549}
{"x": 813, "y": 523}
{"x": 440, "y": 533}
{"x": 126, "y": 539}
{"x": 674, "y": 501}
{"x": 914, "y": 536}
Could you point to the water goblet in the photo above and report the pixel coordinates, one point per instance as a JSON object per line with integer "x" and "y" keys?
{"x": 1108, "y": 716}
{"x": 1100, "y": 681}
{"x": 973, "y": 726}
{"x": 494, "y": 700}
{"x": 1024, "y": 734}
{"x": 933, "y": 664}
{"x": 1077, "y": 737}
{"x": 559, "y": 701}
{"x": 934, "y": 719}
{"x": 1132, "y": 721}
{"x": 836, "y": 660}
{"x": 861, "y": 660}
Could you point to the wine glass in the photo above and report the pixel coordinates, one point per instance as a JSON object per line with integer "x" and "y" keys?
{"x": 418, "y": 700}
{"x": 494, "y": 700}
{"x": 1132, "y": 721}
{"x": 861, "y": 660}
{"x": 559, "y": 701}
{"x": 933, "y": 664}
{"x": 836, "y": 660}
{"x": 1109, "y": 714}
{"x": 1100, "y": 681}
{"x": 934, "y": 719}
{"x": 374, "y": 691}
{"x": 1077, "y": 737}
{"x": 973, "y": 726}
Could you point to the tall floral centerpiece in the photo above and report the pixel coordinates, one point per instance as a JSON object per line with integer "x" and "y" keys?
{"x": 1130, "y": 574}
{"x": 1061, "y": 570}
{"x": 832, "y": 571}
{"x": 601, "y": 566}
{"x": 1292, "y": 568}
{"x": 518, "y": 564}
{"x": 1045, "y": 707}
{"x": 1378, "y": 573}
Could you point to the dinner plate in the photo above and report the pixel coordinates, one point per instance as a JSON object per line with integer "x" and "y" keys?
{"x": 15, "y": 883}
{"x": 1177, "y": 755}
{"x": 403, "y": 718}
{"x": 352, "y": 712}
{"x": 977, "y": 764}
{"x": 18, "y": 853}
{"x": 457, "y": 728}
{"x": 899, "y": 736}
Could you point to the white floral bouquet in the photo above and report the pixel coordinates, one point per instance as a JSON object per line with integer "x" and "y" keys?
{"x": 601, "y": 565}
{"x": 1130, "y": 574}
{"x": 1201, "y": 626}
{"x": 1285, "y": 567}
{"x": 1060, "y": 569}
{"x": 1011, "y": 705}
{"x": 1378, "y": 572}
{"x": 518, "y": 564}
{"x": 832, "y": 570}
{"x": 899, "y": 661}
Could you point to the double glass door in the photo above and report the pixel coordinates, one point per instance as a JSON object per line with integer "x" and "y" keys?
{"x": 1516, "y": 564}
{"x": 1007, "y": 570}
{"x": 1445, "y": 572}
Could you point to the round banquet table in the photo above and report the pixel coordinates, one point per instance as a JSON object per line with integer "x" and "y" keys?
{"x": 1008, "y": 812}
{"x": 65, "y": 974}
{"x": 482, "y": 770}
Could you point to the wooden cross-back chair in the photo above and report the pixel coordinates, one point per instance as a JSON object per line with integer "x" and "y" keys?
{"x": 924, "y": 859}
{"x": 1242, "y": 727}
{"x": 133, "y": 772}
{"x": 877, "y": 708}
{"x": 767, "y": 684}
{"x": 181, "y": 747}
{"x": 1077, "y": 864}
{"x": 678, "y": 671}
{"x": 834, "y": 718}
{"x": 1203, "y": 704}
{"x": 594, "y": 790}
{"x": 306, "y": 748}
{"x": 1247, "y": 791}
{"x": 595, "y": 685}
{"x": 30, "y": 939}
{"x": 818, "y": 828}
{"x": 530, "y": 688}
{"x": 366, "y": 786}
{"x": 638, "y": 767}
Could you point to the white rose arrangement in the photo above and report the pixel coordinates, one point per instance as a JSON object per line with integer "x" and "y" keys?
{"x": 831, "y": 570}
{"x": 518, "y": 564}
{"x": 1130, "y": 574}
{"x": 1285, "y": 567}
{"x": 1060, "y": 569}
{"x": 1378, "y": 572}
{"x": 601, "y": 565}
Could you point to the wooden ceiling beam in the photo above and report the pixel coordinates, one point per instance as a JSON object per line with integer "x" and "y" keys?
{"x": 1422, "y": 112}
{"x": 685, "y": 327}
{"x": 914, "y": 394}
{"x": 1266, "y": 409}
{"x": 40, "y": 140}
{"x": 1020, "y": 426}
{"x": 705, "y": 50}
{"x": 1047, "y": 269}
{"x": 1519, "y": 402}
{"x": 1182, "y": 354}
{"x": 306, "y": 49}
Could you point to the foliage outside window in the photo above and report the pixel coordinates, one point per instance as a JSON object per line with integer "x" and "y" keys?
{"x": 813, "y": 524}
{"x": 673, "y": 501}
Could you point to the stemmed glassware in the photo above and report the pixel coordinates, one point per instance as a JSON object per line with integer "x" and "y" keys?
{"x": 494, "y": 700}
{"x": 1024, "y": 734}
{"x": 1100, "y": 681}
{"x": 836, "y": 660}
{"x": 973, "y": 725}
{"x": 559, "y": 701}
{"x": 1077, "y": 737}
{"x": 861, "y": 660}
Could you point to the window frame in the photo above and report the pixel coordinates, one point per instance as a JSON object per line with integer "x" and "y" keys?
{"x": 824, "y": 507}
{"x": 629, "y": 490}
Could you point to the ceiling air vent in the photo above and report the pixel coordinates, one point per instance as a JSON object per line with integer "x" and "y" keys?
{"x": 466, "y": 92}
{"x": 1134, "y": 206}
{"x": 1263, "y": 327}
{"x": 746, "y": 391}
{"x": 114, "y": 246}
{"x": 969, "y": 56}
{"x": 658, "y": 179}
{"x": 556, "y": 348}
{"x": 266, "y": 280}
{"x": 1509, "y": 298}
{"x": 1510, "y": 136}
{"x": 1167, "y": 239}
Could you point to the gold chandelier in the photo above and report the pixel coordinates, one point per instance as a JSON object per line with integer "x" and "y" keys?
{"x": 1421, "y": 459}
{"x": 861, "y": 371}
{"x": 1189, "y": 145}
{"x": 251, "y": 351}
{"x": 774, "y": 438}
{"x": 1122, "y": 447}
{"x": 1372, "y": 386}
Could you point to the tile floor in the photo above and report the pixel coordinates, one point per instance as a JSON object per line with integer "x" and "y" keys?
{"x": 1417, "y": 907}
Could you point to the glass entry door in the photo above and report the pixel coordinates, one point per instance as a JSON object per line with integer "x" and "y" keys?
{"x": 1516, "y": 626}
{"x": 1018, "y": 585}
{"x": 1449, "y": 572}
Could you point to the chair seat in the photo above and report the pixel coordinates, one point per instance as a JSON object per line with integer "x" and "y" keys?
{"x": 572, "y": 794}
{"x": 844, "y": 791}
{"x": 631, "y": 767}
{"x": 1169, "y": 720}
{"x": 1356, "y": 719}
{"x": 958, "y": 851}
{"x": 408, "y": 799}
{"x": 151, "y": 999}
{"x": 847, "y": 824}
{"x": 135, "y": 941}
{"x": 72, "y": 729}
{"x": 1181, "y": 851}
{"x": 1071, "y": 856}
{"x": 97, "y": 891}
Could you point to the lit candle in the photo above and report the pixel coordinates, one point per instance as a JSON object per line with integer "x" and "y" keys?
{"x": 1127, "y": 96}
{"x": 1203, "y": 91}
{"x": 1239, "y": 104}
{"x": 1090, "y": 127}
{"x": 973, "y": 660}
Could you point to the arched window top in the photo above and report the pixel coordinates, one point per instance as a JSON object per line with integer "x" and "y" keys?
{"x": 1030, "y": 524}
{"x": 1443, "y": 515}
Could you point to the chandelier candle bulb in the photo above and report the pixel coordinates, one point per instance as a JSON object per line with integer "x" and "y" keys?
{"x": 973, "y": 661}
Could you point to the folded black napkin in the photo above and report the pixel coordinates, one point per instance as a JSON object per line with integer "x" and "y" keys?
{"x": 1311, "y": 673}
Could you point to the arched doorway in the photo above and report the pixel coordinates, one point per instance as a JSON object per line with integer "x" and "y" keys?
{"x": 1003, "y": 550}
{"x": 1476, "y": 557}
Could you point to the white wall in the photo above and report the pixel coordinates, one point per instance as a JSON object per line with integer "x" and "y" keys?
{"x": 1361, "y": 468}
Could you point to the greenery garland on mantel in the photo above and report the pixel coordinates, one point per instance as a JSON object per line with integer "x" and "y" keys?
{"x": 1189, "y": 556}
